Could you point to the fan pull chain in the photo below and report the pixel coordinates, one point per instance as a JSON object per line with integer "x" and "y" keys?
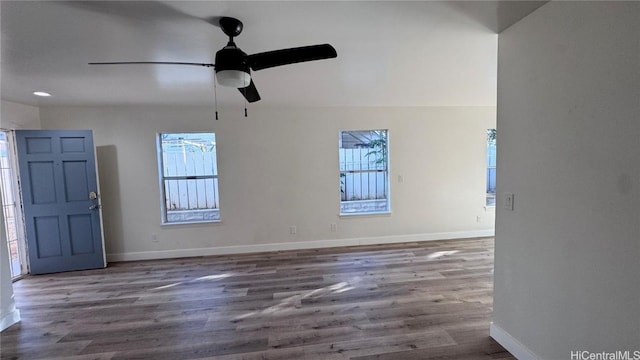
{"x": 215, "y": 96}
{"x": 245, "y": 107}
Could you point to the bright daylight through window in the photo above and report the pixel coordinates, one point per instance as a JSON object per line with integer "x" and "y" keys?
{"x": 11, "y": 207}
{"x": 188, "y": 177}
{"x": 364, "y": 172}
{"x": 491, "y": 167}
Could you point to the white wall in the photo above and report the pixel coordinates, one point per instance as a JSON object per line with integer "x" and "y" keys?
{"x": 9, "y": 315}
{"x": 568, "y": 257}
{"x": 270, "y": 160}
{"x": 18, "y": 116}
{"x": 12, "y": 116}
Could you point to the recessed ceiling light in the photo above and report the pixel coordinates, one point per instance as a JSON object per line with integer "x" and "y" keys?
{"x": 41, "y": 93}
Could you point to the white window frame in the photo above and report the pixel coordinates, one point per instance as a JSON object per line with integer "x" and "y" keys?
{"x": 386, "y": 177}
{"x": 488, "y": 167}
{"x": 18, "y": 225}
{"x": 162, "y": 178}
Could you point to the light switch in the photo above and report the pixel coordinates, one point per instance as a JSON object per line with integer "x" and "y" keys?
{"x": 508, "y": 201}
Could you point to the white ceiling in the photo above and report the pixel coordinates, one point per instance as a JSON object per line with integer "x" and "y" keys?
{"x": 389, "y": 53}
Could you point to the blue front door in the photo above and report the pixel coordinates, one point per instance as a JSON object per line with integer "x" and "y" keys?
{"x": 59, "y": 194}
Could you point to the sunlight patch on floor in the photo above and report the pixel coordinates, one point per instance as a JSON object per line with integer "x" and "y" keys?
{"x": 212, "y": 277}
{"x": 295, "y": 301}
{"x": 166, "y": 286}
{"x": 201, "y": 278}
{"x": 439, "y": 254}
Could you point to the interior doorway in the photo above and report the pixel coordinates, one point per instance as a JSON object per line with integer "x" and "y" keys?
{"x": 11, "y": 205}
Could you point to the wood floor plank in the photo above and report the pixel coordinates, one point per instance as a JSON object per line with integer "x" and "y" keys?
{"x": 419, "y": 300}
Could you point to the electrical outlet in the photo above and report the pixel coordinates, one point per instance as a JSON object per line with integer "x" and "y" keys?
{"x": 293, "y": 230}
{"x": 154, "y": 238}
{"x": 334, "y": 227}
{"x": 478, "y": 218}
{"x": 400, "y": 179}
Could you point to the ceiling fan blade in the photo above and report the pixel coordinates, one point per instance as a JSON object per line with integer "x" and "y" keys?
{"x": 291, "y": 56}
{"x": 151, "y": 62}
{"x": 250, "y": 92}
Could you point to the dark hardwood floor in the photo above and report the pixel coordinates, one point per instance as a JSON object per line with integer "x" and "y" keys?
{"x": 430, "y": 300}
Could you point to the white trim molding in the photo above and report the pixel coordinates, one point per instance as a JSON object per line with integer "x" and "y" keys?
{"x": 242, "y": 249}
{"x": 510, "y": 343}
{"x": 9, "y": 318}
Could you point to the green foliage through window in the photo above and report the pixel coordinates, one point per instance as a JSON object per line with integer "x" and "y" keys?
{"x": 364, "y": 177}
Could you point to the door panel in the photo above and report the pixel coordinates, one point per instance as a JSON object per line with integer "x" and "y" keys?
{"x": 79, "y": 225}
{"x": 42, "y": 188}
{"x": 76, "y": 187}
{"x": 57, "y": 174}
{"x": 47, "y": 231}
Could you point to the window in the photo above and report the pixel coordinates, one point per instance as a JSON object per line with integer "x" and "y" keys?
{"x": 364, "y": 172}
{"x": 12, "y": 218}
{"x": 188, "y": 177}
{"x": 491, "y": 167}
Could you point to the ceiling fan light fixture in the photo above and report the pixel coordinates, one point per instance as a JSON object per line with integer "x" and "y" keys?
{"x": 233, "y": 78}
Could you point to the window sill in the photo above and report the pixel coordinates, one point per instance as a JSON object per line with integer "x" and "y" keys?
{"x": 376, "y": 213}
{"x": 191, "y": 222}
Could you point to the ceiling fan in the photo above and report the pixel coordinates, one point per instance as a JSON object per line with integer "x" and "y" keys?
{"x": 233, "y": 66}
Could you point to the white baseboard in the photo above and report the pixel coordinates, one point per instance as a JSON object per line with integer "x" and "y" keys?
{"x": 510, "y": 343}
{"x": 241, "y": 249}
{"x": 9, "y": 319}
